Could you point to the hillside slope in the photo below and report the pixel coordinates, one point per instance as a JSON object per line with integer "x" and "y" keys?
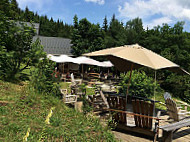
{"x": 21, "y": 110}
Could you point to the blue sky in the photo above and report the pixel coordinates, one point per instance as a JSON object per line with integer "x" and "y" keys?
{"x": 152, "y": 12}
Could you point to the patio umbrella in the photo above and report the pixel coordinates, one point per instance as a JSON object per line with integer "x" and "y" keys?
{"x": 62, "y": 59}
{"x": 130, "y": 57}
{"x": 88, "y": 61}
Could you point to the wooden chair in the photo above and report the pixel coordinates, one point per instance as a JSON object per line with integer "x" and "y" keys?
{"x": 75, "y": 81}
{"x": 175, "y": 112}
{"x": 94, "y": 75}
{"x": 68, "y": 98}
{"x": 145, "y": 122}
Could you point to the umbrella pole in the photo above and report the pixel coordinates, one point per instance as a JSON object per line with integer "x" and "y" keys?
{"x": 129, "y": 83}
{"x": 82, "y": 71}
{"x": 154, "y": 91}
{"x": 155, "y": 84}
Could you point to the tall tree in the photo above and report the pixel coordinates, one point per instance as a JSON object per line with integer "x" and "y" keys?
{"x": 14, "y": 10}
{"x": 105, "y": 24}
{"x": 134, "y": 29}
{"x": 86, "y": 37}
{"x": 116, "y": 35}
{"x": 20, "y": 51}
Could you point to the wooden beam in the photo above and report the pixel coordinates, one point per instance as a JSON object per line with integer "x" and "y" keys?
{"x": 135, "y": 114}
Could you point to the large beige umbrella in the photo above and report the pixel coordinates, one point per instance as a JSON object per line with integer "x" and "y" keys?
{"x": 131, "y": 57}
{"x": 125, "y": 56}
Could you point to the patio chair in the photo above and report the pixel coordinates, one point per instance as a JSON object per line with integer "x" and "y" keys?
{"x": 68, "y": 98}
{"x": 141, "y": 120}
{"x": 94, "y": 75}
{"x": 75, "y": 81}
{"x": 175, "y": 112}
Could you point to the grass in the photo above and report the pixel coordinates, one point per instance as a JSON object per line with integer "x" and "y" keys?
{"x": 29, "y": 110}
{"x": 65, "y": 85}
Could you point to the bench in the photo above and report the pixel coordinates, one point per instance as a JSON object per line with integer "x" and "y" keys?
{"x": 145, "y": 122}
{"x": 169, "y": 129}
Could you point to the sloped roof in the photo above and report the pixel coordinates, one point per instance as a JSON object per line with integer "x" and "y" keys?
{"x": 36, "y": 25}
{"x": 55, "y": 45}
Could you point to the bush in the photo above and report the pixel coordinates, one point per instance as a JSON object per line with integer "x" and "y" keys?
{"x": 179, "y": 86}
{"x": 43, "y": 77}
{"x": 141, "y": 85}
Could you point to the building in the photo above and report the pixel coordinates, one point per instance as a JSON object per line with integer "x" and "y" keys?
{"x": 52, "y": 45}
{"x": 55, "y": 45}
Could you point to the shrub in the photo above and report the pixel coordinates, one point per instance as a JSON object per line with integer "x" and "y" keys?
{"x": 141, "y": 85}
{"x": 179, "y": 86}
{"x": 43, "y": 77}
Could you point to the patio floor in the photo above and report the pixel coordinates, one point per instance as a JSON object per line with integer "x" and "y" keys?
{"x": 182, "y": 135}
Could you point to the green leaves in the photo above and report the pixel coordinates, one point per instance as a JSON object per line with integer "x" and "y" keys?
{"x": 86, "y": 37}
{"x": 42, "y": 79}
{"x": 141, "y": 85}
{"x": 17, "y": 49}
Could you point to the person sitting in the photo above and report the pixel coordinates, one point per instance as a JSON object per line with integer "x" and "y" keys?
{"x": 68, "y": 75}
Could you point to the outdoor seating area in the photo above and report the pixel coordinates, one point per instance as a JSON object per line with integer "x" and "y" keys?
{"x": 139, "y": 115}
{"x": 129, "y": 113}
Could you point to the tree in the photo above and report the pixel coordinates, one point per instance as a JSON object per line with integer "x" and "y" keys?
{"x": 86, "y": 37}
{"x": 42, "y": 78}
{"x": 20, "y": 51}
{"x": 134, "y": 29}
{"x": 116, "y": 35}
{"x": 75, "y": 21}
{"x": 5, "y": 7}
{"x": 14, "y": 10}
{"x": 105, "y": 24}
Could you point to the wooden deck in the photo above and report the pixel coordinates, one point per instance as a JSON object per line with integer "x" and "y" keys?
{"x": 182, "y": 135}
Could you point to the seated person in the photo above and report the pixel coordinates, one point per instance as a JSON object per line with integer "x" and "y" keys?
{"x": 68, "y": 75}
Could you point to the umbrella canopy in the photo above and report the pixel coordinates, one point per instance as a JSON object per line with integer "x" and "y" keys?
{"x": 78, "y": 60}
{"x": 107, "y": 64}
{"x": 125, "y": 56}
{"x": 89, "y": 61}
{"x": 62, "y": 59}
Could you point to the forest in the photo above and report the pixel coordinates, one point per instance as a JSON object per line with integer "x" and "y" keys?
{"x": 171, "y": 42}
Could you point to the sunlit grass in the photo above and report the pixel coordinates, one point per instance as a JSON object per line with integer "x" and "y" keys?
{"x": 29, "y": 110}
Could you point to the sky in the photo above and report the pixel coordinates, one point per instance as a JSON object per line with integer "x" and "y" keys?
{"x": 152, "y": 12}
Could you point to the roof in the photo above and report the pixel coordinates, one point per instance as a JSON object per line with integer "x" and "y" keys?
{"x": 55, "y": 45}
{"x": 36, "y": 25}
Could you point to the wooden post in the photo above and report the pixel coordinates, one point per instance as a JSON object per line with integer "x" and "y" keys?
{"x": 63, "y": 68}
{"x": 78, "y": 106}
{"x": 82, "y": 71}
{"x": 129, "y": 83}
{"x": 167, "y": 136}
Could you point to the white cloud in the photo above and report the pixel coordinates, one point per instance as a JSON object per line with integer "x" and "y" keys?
{"x": 158, "y": 21}
{"x": 100, "y": 2}
{"x": 160, "y": 11}
{"x": 37, "y": 4}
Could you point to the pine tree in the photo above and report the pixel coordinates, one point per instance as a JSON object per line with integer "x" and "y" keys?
{"x": 105, "y": 24}
{"x": 75, "y": 20}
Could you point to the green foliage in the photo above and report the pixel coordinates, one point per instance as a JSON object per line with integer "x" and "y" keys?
{"x": 134, "y": 30}
{"x": 17, "y": 49}
{"x": 141, "y": 85}
{"x": 116, "y": 34}
{"x": 65, "y": 123}
{"x": 179, "y": 86}
{"x": 42, "y": 79}
{"x": 86, "y": 37}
